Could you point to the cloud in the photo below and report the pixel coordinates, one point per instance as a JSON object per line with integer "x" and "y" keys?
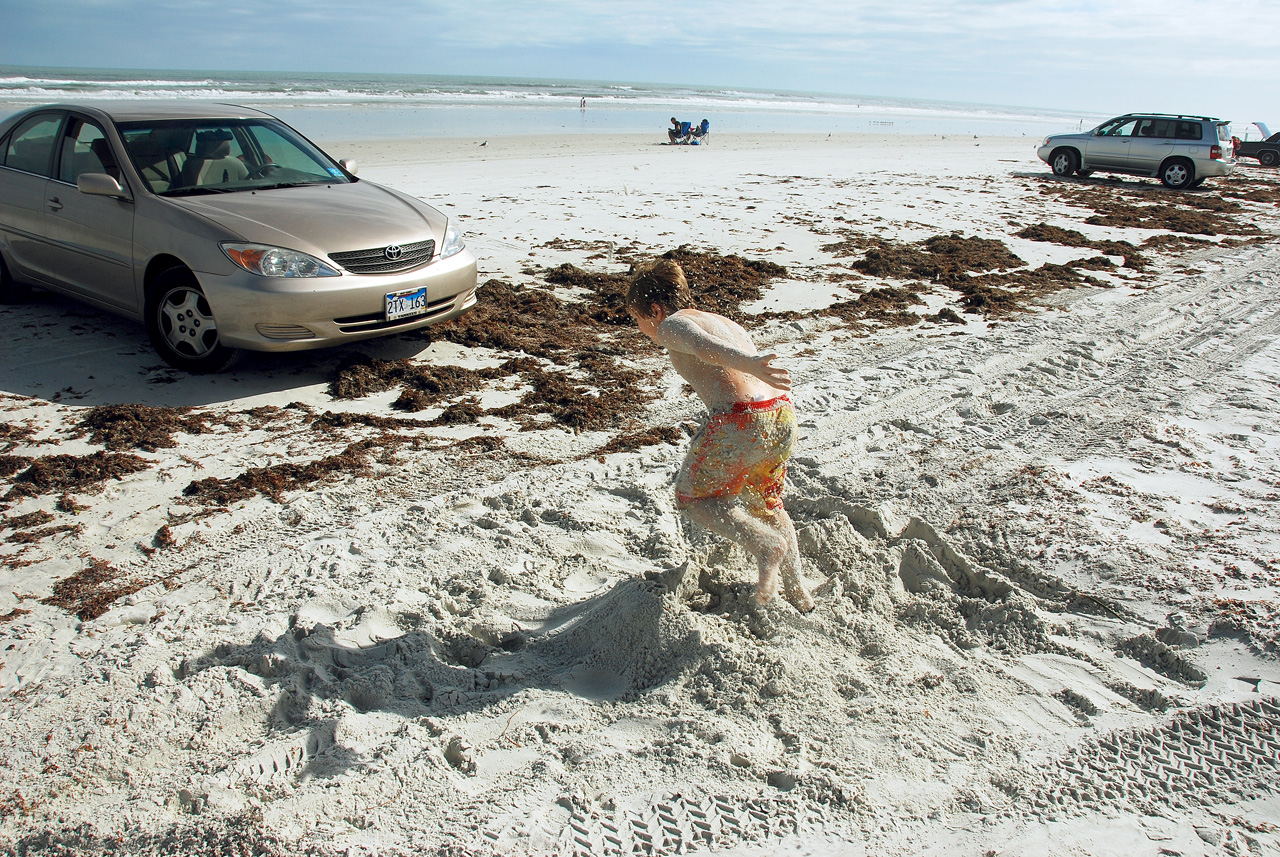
{"x": 1084, "y": 52}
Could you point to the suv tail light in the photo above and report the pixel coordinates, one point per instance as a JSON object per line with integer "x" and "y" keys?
{"x": 1215, "y": 153}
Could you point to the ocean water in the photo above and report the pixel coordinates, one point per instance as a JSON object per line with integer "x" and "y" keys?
{"x": 328, "y": 106}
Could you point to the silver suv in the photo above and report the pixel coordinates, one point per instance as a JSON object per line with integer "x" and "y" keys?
{"x": 1182, "y": 150}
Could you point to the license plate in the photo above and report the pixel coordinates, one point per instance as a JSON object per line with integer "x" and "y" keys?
{"x": 406, "y": 304}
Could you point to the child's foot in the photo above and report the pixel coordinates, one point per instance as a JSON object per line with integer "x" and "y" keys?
{"x": 766, "y": 590}
{"x": 799, "y": 598}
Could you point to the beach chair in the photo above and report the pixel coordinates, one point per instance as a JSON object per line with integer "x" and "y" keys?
{"x": 682, "y": 136}
{"x": 700, "y": 134}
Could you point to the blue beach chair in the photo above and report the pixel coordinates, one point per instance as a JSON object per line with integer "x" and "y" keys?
{"x": 700, "y": 134}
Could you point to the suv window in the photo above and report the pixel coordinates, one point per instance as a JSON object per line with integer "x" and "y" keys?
{"x": 1159, "y": 128}
{"x": 1118, "y": 128}
{"x": 1188, "y": 131}
{"x": 30, "y": 146}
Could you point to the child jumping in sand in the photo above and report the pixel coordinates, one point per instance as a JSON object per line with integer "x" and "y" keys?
{"x": 741, "y": 453}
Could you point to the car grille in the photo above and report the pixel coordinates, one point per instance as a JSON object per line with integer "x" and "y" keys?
{"x": 377, "y": 260}
{"x": 378, "y": 321}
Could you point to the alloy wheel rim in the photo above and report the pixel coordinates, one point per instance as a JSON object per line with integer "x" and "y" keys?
{"x": 187, "y": 323}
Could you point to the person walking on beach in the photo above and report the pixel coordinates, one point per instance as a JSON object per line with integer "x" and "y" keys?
{"x": 732, "y": 477}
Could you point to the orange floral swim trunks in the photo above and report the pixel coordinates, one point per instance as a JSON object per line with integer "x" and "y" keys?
{"x": 741, "y": 453}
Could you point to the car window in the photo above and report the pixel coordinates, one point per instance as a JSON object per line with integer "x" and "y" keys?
{"x": 1119, "y": 128}
{"x": 1188, "y": 131}
{"x": 85, "y": 149}
{"x": 224, "y": 156}
{"x": 30, "y": 147}
{"x": 1156, "y": 128}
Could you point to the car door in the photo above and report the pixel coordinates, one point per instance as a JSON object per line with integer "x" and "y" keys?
{"x": 26, "y": 163}
{"x": 1108, "y": 148}
{"x": 90, "y": 236}
{"x": 1188, "y": 140}
{"x": 1153, "y": 141}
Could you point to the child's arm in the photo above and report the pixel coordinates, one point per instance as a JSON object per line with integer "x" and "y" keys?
{"x": 683, "y": 335}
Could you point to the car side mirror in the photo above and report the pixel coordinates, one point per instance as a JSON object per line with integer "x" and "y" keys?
{"x": 348, "y": 164}
{"x": 100, "y": 184}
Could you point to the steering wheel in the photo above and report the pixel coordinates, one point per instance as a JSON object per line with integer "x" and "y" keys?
{"x": 262, "y": 169}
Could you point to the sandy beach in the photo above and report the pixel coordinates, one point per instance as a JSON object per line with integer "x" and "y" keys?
{"x": 431, "y": 594}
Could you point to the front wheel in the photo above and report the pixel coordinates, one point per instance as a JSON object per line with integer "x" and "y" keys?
{"x": 181, "y": 324}
{"x": 1064, "y": 162}
{"x": 1268, "y": 157}
{"x": 1177, "y": 174}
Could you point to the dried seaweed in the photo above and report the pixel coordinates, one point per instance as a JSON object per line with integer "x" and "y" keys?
{"x": 637, "y": 440}
{"x": 15, "y": 613}
{"x": 274, "y": 480}
{"x": 942, "y": 259}
{"x": 142, "y": 427}
{"x": 32, "y": 536}
{"x": 888, "y": 306}
{"x": 90, "y": 592}
{"x": 1071, "y": 238}
{"x": 27, "y": 521}
{"x": 1189, "y": 214}
{"x": 12, "y": 435}
{"x": 50, "y": 473}
{"x": 11, "y": 464}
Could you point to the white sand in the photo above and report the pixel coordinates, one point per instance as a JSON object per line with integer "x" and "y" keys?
{"x": 1046, "y": 552}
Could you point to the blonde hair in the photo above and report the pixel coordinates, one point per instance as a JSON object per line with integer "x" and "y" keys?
{"x": 662, "y": 283}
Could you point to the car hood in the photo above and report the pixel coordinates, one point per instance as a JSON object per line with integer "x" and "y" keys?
{"x": 321, "y": 219}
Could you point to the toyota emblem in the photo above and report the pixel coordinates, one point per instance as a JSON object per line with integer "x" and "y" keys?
{"x": 395, "y": 251}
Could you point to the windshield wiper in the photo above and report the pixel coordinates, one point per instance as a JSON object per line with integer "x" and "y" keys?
{"x": 200, "y": 190}
{"x": 292, "y": 184}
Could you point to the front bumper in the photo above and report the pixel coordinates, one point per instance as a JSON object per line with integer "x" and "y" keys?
{"x": 283, "y": 314}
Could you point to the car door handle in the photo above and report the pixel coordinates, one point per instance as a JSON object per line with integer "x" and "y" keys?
{"x": 54, "y": 203}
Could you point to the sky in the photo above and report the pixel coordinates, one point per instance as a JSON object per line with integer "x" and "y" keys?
{"x": 1101, "y": 56}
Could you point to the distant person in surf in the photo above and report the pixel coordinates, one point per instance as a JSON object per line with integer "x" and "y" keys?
{"x": 732, "y": 477}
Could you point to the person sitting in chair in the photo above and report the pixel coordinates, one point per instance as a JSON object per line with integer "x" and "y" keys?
{"x": 673, "y": 133}
{"x": 700, "y": 130}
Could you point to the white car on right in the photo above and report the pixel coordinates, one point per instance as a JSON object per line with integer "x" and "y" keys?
{"x": 1182, "y": 151}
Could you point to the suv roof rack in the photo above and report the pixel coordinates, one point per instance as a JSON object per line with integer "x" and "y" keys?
{"x": 1178, "y": 116}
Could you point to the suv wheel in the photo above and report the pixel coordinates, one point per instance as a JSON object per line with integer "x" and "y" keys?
{"x": 1064, "y": 162}
{"x": 11, "y": 291}
{"x": 1177, "y": 173}
{"x": 1268, "y": 157}
{"x": 181, "y": 324}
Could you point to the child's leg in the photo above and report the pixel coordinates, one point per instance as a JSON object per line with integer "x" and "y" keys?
{"x": 792, "y": 584}
{"x": 764, "y": 542}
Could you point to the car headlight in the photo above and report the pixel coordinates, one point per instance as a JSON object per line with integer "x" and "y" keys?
{"x": 453, "y": 243}
{"x": 267, "y": 261}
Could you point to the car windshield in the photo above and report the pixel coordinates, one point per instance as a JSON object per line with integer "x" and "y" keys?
{"x": 197, "y": 156}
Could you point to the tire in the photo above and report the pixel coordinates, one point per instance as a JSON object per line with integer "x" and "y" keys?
{"x": 1064, "y": 162}
{"x": 11, "y": 291}
{"x": 181, "y": 325}
{"x": 1269, "y": 157}
{"x": 1177, "y": 173}
{"x": 1084, "y": 174}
